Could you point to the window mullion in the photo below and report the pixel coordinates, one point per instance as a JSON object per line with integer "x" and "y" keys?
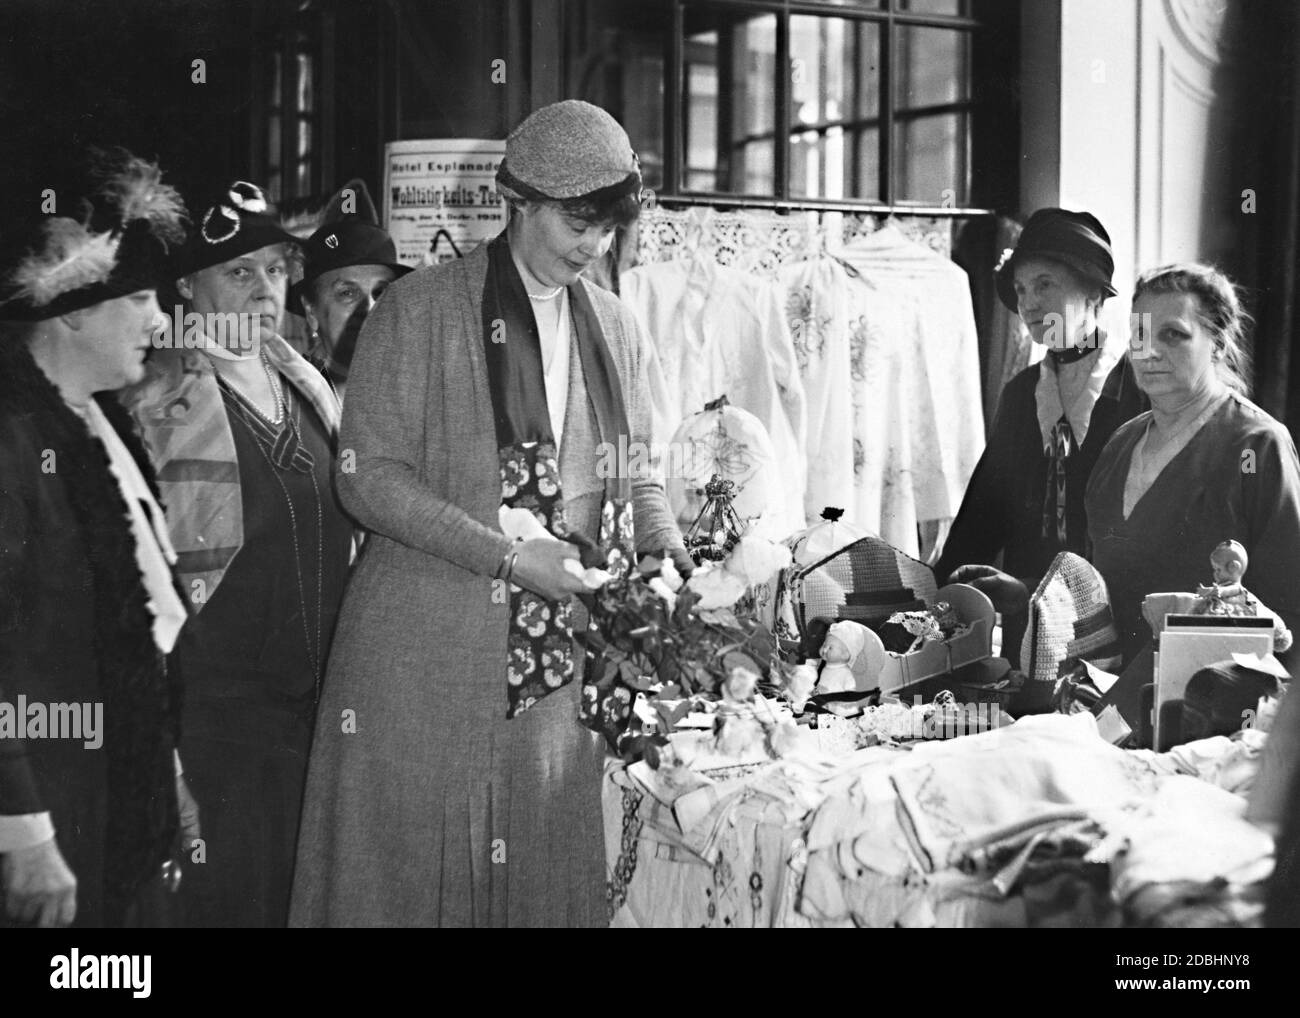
{"x": 675, "y": 113}
{"x": 781, "y": 146}
{"x": 887, "y": 101}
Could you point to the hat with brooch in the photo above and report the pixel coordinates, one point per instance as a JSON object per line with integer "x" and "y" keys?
{"x": 349, "y": 234}
{"x": 238, "y": 221}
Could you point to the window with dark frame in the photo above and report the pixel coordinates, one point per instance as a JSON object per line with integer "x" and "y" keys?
{"x": 910, "y": 103}
{"x": 877, "y": 104}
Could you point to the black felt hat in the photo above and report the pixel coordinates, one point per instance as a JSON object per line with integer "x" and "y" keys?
{"x": 235, "y": 223}
{"x": 111, "y": 240}
{"x": 349, "y": 235}
{"x": 1075, "y": 239}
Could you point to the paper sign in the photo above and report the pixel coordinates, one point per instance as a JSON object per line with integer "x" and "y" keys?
{"x": 440, "y": 197}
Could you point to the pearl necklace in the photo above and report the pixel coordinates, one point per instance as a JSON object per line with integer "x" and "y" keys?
{"x": 547, "y": 296}
{"x": 276, "y": 392}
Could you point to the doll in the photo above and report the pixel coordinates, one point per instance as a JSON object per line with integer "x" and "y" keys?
{"x": 1227, "y": 596}
{"x": 844, "y": 668}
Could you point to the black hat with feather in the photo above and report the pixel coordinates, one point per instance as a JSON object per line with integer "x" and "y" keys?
{"x": 113, "y": 240}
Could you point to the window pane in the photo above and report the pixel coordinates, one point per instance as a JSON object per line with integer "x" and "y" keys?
{"x": 702, "y": 113}
{"x": 932, "y": 6}
{"x": 932, "y": 71}
{"x": 835, "y": 108}
{"x": 932, "y": 66}
{"x": 615, "y": 59}
{"x": 930, "y": 160}
{"x": 729, "y": 100}
{"x": 868, "y": 174}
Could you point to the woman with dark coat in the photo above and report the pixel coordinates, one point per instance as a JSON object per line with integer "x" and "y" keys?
{"x": 1025, "y": 499}
{"x": 88, "y": 604}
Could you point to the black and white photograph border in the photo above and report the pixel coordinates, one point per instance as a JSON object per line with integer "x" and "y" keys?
{"x": 883, "y": 512}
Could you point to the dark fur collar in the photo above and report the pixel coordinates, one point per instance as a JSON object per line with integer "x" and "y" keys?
{"x": 141, "y": 702}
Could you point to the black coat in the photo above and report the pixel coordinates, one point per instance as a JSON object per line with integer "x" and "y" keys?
{"x": 1002, "y": 510}
{"x": 75, "y": 627}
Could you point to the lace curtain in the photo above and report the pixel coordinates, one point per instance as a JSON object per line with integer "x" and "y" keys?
{"x": 761, "y": 242}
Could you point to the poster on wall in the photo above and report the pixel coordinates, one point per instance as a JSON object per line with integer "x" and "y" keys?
{"x": 440, "y": 197}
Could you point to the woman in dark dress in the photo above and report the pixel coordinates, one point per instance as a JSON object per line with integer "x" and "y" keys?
{"x": 1025, "y": 500}
{"x": 242, "y": 433}
{"x": 1204, "y": 465}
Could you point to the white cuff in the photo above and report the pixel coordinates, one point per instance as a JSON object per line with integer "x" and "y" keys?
{"x": 24, "y": 830}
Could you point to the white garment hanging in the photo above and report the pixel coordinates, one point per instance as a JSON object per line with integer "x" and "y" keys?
{"x": 721, "y": 332}
{"x": 940, "y": 431}
{"x": 817, "y": 309}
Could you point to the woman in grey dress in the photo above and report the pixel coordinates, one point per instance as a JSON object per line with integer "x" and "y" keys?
{"x": 450, "y": 781}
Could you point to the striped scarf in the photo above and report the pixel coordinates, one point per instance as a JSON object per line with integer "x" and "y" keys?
{"x": 180, "y": 412}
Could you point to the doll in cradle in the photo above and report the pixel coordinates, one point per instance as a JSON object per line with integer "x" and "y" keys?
{"x": 1227, "y": 596}
{"x": 844, "y": 664}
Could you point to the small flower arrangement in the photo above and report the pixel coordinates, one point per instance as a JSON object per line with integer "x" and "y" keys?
{"x": 662, "y": 647}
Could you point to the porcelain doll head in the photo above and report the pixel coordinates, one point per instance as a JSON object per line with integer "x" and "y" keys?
{"x": 844, "y": 643}
{"x": 1229, "y": 561}
{"x": 834, "y": 651}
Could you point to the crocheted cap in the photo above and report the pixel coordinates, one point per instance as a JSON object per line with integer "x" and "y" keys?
{"x": 569, "y": 149}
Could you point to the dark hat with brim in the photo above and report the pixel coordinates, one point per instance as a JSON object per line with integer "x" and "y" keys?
{"x": 141, "y": 264}
{"x": 238, "y": 222}
{"x": 1076, "y": 240}
{"x": 112, "y": 242}
{"x": 339, "y": 245}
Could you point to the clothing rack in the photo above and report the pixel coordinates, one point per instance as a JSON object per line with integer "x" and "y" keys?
{"x": 821, "y": 205}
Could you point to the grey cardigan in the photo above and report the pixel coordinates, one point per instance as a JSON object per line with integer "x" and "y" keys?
{"x": 418, "y": 389}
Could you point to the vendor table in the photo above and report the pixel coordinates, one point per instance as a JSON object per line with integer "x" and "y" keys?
{"x": 1012, "y": 829}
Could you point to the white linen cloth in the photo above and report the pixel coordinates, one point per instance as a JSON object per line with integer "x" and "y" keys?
{"x": 915, "y": 306}
{"x": 817, "y": 309}
{"x": 716, "y": 332}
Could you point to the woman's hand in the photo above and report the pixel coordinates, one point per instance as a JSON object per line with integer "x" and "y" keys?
{"x": 39, "y": 886}
{"x": 540, "y": 568}
{"x": 1009, "y": 595}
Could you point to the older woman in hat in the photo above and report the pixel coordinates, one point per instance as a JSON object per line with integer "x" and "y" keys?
{"x": 451, "y": 783}
{"x": 347, "y": 264}
{"x": 1025, "y": 500}
{"x": 88, "y": 605}
{"x": 241, "y": 429}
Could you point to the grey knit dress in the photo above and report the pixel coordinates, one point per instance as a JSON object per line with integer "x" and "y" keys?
{"x": 424, "y": 805}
